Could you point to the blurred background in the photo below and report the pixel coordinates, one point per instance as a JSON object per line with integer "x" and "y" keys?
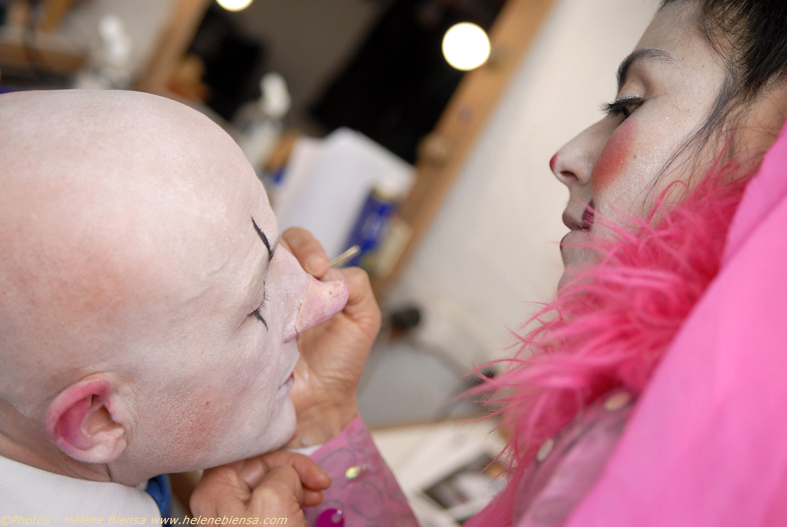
{"x": 363, "y": 131}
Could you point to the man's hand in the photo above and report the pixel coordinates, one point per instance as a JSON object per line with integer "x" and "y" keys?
{"x": 333, "y": 354}
{"x": 273, "y": 485}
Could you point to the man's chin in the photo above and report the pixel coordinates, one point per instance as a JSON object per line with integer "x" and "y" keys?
{"x": 283, "y": 427}
{"x": 277, "y": 432}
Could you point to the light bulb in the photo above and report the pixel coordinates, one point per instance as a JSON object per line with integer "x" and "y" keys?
{"x": 234, "y": 5}
{"x": 466, "y": 46}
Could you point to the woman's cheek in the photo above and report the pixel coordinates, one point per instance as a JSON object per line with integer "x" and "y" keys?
{"x": 614, "y": 158}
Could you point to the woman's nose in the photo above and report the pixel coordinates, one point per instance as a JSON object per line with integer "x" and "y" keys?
{"x": 573, "y": 163}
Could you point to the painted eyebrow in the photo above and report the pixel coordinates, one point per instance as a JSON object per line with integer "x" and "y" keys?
{"x": 271, "y": 249}
{"x": 639, "y": 54}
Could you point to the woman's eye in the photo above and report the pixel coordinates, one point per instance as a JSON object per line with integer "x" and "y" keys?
{"x": 624, "y": 106}
{"x": 258, "y": 312}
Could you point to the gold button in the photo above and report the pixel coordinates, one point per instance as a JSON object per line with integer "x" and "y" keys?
{"x": 352, "y": 472}
{"x": 357, "y": 470}
{"x": 617, "y": 400}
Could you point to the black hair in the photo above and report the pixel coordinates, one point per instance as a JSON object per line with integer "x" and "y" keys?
{"x": 750, "y": 36}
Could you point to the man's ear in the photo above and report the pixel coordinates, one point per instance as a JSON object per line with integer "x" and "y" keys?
{"x": 83, "y": 423}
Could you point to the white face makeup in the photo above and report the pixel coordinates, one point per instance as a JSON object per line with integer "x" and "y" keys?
{"x": 145, "y": 250}
{"x": 231, "y": 395}
{"x": 243, "y": 311}
{"x": 668, "y": 87}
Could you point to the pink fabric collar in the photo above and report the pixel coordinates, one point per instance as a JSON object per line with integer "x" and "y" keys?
{"x": 707, "y": 442}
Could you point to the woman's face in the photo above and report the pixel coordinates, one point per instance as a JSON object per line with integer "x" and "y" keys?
{"x": 667, "y": 89}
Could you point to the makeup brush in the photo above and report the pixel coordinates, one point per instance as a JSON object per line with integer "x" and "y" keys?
{"x": 345, "y": 256}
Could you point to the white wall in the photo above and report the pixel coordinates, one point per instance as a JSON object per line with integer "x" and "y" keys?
{"x": 143, "y": 19}
{"x": 493, "y": 248}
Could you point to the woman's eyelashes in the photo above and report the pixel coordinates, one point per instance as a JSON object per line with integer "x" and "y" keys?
{"x": 258, "y": 312}
{"x": 624, "y": 106}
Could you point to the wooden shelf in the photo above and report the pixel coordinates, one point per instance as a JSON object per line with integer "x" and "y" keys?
{"x": 39, "y": 51}
{"x": 446, "y": 149}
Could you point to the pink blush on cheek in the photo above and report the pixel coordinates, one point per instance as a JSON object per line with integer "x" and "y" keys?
{"x": 615, "y": 156}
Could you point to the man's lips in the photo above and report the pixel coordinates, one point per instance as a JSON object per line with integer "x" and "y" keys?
{"x": 286, "y": 386}
{"x": 281, "y": 394}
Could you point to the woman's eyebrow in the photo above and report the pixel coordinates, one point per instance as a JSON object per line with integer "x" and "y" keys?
{"x": 639, "y": 54}
{"x": 271, "y": 249}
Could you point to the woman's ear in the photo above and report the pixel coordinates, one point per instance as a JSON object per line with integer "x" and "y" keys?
{"x": 82, "y": 421}
{"x": 763, "y": 123}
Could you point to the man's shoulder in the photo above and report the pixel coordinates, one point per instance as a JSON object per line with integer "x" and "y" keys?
{"x": 28, "y": 492}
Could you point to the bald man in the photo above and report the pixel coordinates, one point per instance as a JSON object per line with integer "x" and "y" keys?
{"x": 151, "y": 314}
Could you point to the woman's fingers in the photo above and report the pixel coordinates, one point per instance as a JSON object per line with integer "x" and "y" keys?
{"x": 280, "y": 487}
{"x": 307, "y": 250}
{"x": 361, "y": 302}
{"x": 309, "y": 473}
{"x": 273, "y": 485}
{"x": 220, "y": 491}
{"x": 313, "y": 258}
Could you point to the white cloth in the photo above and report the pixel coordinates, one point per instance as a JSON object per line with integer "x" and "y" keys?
{"x": 28, "y": 491}
{"x": 306, "y": 451}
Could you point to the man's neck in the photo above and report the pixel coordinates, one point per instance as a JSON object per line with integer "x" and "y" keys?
{"x": 19, "y": 443}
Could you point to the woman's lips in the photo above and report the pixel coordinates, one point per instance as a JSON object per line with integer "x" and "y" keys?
{"x": 582, "y": 224}
{"x": 578, "y": 235}
{"x": 588, "y": 216}
{"x": 573, "y": 240}
{"x": 574, "y": 248}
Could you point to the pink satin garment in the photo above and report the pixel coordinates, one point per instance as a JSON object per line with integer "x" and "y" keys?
{"x": 707, "y": 444}
{"x": 364, "y": 492}
{"x": 568, "y": 466}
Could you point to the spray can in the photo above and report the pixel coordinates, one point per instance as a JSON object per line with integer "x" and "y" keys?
{"x": 372, "y": 222}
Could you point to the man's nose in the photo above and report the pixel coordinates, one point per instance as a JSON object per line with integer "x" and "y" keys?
{"x": 316, "y": 301}
{"x": 321, "y": 301}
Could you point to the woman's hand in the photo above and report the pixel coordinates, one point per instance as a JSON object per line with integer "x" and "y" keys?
{"x": 273, "y": 485}
{"x": 333, "y": 354}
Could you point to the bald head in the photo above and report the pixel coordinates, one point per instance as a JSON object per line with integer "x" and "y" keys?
{"x": 104, "y": 195}
{"x": 147, "y": 319}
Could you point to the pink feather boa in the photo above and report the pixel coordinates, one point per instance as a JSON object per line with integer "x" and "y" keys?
{"x": 610, "y": 326}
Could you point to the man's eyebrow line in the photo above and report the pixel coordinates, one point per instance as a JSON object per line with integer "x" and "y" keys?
{"x": 271, "y": 249}
{"x": 639, "y": 54}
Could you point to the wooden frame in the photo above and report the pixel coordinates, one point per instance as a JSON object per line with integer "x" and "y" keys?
{"x": 54, "y": 12}
{"x": 172, "y": 45}
{"x": 444, "y": 152}
{"x": 41, "y": 56}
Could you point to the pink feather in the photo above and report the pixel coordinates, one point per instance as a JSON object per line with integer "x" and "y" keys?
{"x": 610, "y": 326}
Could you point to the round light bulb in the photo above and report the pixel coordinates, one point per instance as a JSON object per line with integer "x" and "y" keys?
{"x": 466, "y": 46}
{"x": 234, "y": 5}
